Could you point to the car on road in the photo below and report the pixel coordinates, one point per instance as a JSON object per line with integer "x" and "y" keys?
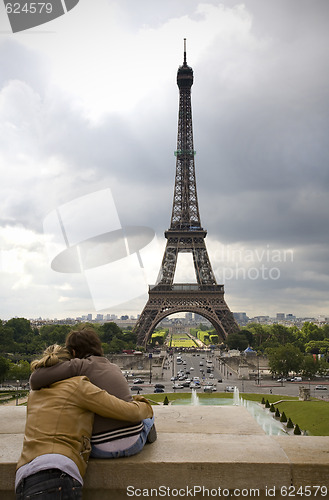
{"x": 158, "y": 389}
{"x": 178, "y": 386}
{"x": 209, "y": 388}
{"x": 159, "y": 386}
{"x": 136, "y": 388}
{"x": 321, "y": 388}
{"x": 229, "y": 388}
{"x": 138, "y": 381}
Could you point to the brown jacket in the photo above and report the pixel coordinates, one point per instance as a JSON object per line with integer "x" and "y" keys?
{"x": 100, "y": 372}
{"x": 60, "y": 419}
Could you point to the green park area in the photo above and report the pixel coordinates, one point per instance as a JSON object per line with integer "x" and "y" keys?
{"x": 312, "y": 416}
{"x": 182, "y": 340}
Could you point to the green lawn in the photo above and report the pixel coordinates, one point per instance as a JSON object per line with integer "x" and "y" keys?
{"x": 312, "y": 416}
{"x": 182, "y": 340}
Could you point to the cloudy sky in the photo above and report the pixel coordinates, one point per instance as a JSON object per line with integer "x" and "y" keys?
{"x": 88, "y": 124}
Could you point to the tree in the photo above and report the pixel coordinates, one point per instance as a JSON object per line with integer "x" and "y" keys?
{"x": 317, "y": 346}
{"x": 297, "y": 430}
{"x": 283, "y": 417}
{"x": 259, "y": 332}
{"x": 237, "y": 341}
{"x": 54, "y": 334}
{"x": 21, "y": 328}
{"x": 108, "y": 331}
{"x": 284, "y": 359}
{"x": 7, "y": 343}
{"x": 281, "y": 334}
{"x": 4, "y": 368}
{"x": 311, "y": 331}
{"x": 116, "y": 345}
{"x": 19, "y": 371}
{"x": 310, "y": 366}
{"x": 290, "y": 424}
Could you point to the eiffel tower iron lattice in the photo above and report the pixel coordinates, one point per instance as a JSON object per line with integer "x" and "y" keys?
{"x": 185, "y": 234}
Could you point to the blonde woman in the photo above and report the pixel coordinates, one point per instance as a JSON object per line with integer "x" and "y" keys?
{"x": 59, "y": 423}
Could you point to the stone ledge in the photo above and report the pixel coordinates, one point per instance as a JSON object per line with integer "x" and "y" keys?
{"x": 202, "y": 446}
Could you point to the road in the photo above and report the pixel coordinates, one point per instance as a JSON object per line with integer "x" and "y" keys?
{"x": 228, "y": 378}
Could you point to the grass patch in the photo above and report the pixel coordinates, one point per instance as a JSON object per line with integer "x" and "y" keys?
{"x": 182, "y": 340}
{"x": 172, "y": 396}
{"x": 312, "y": 416}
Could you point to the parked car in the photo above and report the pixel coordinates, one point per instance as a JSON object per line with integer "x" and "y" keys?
{"x": 321, "y": 388}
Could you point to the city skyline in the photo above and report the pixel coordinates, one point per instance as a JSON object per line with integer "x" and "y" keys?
{"x": 89, "y": 103}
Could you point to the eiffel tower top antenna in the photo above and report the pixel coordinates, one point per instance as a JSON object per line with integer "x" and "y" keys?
{"x": 185, "y": 63}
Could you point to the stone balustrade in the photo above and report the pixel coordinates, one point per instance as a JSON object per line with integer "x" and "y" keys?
{"x": 201, "y": 452}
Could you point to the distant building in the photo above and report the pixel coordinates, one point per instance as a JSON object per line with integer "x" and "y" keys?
{"x": 280, "y": 316}
{"x": 261, "y": 319}
{"x": 241, "y": 317}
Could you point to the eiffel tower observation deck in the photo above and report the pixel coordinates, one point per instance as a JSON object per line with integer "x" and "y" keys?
{"x": 185, "y": 235}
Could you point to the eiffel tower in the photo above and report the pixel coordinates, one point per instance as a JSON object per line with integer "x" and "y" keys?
{"x": 185, "y": 234}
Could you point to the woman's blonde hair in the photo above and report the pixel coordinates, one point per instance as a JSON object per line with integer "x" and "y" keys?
{"x": 51, "y": 356}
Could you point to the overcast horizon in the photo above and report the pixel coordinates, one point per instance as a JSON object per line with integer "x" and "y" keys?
{"x": 88, "y": 120}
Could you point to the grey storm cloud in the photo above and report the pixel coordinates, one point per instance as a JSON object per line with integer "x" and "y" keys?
{"x": 260, "y": 118}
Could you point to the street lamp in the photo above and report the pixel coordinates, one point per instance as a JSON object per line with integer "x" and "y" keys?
{"x": 150, "y": 358}
{"x": 17, "y": 384}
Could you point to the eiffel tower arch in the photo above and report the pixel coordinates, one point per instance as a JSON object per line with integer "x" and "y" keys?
{"x": 185, "y": 235}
